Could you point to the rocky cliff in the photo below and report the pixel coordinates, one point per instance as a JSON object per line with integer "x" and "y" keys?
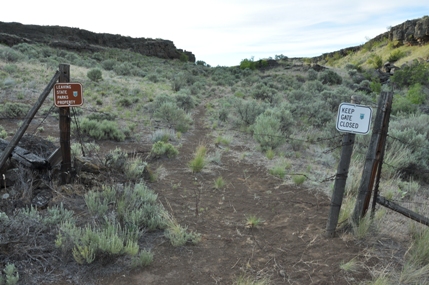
{"x": 80, "y": 40}
{"x": 411, "y": 32}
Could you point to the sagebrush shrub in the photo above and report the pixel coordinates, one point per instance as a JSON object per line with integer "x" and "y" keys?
{"x": 173, "y": 116}
{"x": 95, "y": 74}
{"x": 267, "y": 131}
{"x": 248, "y": 110}
{"x": 109, "y": 64}
{"x": 101, "y": 129}
{"x": 161, "y": 148}
{"x": 14, "y": 110}
{"x": 330, "y": 77}
{"x": 185, "y": 100}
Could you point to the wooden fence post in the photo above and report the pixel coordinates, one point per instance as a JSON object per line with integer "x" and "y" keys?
{"x": 373, "y": 157}
{"x": 65, "y": 130}
{"x": 340, "y": 180}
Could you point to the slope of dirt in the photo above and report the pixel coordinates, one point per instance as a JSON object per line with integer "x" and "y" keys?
{"x": 288, "y": 247}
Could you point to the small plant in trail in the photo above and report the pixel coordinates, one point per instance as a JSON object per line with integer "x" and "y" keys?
{"x": 3, "y": 133}
{"x": 163, "y": 135}
{"x": 219, "y": 183}
{"x": 270, "y": 154}
{"x": 278, "y": 171}
{"x": 199, "y": 161}
{"x": 298, "y": 179}
{"x": 252, "y": 222}
{"x": 242, "y": 280}
{"x": 351, "y": 267}
{"x": 145, "y": 258}
{"x": 177, "y": 234}
{"x": 223, "y": 140}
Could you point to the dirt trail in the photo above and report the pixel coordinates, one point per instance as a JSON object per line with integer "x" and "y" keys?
{"x": 288, "y": 247}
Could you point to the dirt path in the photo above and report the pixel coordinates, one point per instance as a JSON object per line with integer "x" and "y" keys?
{"x": 288, "y": 247}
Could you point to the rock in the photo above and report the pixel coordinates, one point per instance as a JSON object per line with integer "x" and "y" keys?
{"x": 81, "y": 40}
{"x": 85, "y": 164}
{"x": 42, "y": 198}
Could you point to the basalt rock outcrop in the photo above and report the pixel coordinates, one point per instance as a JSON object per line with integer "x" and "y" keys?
{"x": 82, "y": 40}
{"x": 411, "y": 32}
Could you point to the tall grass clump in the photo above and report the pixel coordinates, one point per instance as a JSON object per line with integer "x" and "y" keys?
{"x": 199, "y": 161}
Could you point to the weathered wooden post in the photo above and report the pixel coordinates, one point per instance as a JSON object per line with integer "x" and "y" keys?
{"x": 340, "y": 183}
{"x": 373, "y": 157}
{"x": 352, "y": 119}
{"x": 340, "y": 180}
{"x": 65, "y": 130}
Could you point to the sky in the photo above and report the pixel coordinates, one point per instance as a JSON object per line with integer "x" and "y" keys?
{"x": 224, "y": 32}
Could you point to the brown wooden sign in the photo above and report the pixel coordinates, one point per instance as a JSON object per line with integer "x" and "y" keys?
{"x": 68, "y": 95}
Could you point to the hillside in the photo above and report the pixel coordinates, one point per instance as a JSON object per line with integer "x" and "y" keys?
{"x": 188, "y": 174}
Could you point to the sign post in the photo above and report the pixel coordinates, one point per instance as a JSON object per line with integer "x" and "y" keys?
{"x": 66, "y": 95}
{"x": 352, "y": 119}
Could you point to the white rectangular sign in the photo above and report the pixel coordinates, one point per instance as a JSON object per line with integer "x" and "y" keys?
{"x": 354, "y": 118}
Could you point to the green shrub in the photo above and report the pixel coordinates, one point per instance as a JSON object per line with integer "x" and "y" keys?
{"x": 132, "y": 208}
{"x": 185, "y": 101}
{"x": 413, "y": 133}
{"x": 153, "y": 77}
{"x": 248, "y": 110}
{"x": 375, "y": 86}
{"x": 330, "y": 77}
{"x": 402, "y": 104}
{"x": 3, "y": 133}
{"x": 267, "y": 131}
{"x": 100, "y": 129}
{"x": 279, "y": 171}
{"x": 375, "y": 60}
{"x": 396, "y": 55}
{"x": 14, "y": 110}
{"x": 10, "y": 55}
{"x": 134, "y": 168}
{"x": 248, "y": 63}
{"x": 199, "y": 161}
{"x": 145, "y": 258}
{"x": 412, "y": 74}
{"x": 95, "y": 75}
{"x": 312, "y": 74}
{"x": 109, "y": 64}
{"x": 265, "y": 94}
{"x": 173, "y": 116}
{"x": 298, "y": 179}
{"x": 161, "y": 148}
{"x": 184, "y": 57}
{"x": 416, "y": 94}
